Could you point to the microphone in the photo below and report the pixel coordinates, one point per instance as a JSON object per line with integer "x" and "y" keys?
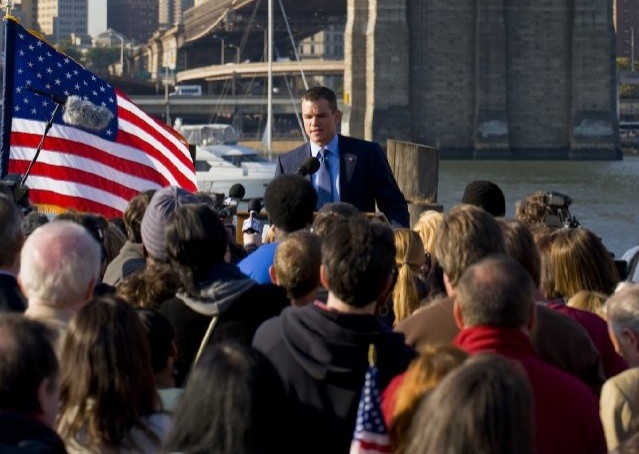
{"x": 308, "y": 167}
{"x": 79, "y": 112}
{"x": 255, "y": 205}
{"x": 62, "y": 100}
{"x": 236, "y": 193}
{"x": 85, "y": 114}
{"x": 252, "y": 224}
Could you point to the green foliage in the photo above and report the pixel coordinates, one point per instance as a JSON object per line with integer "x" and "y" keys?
{"x": 99, "y": 58}
{"x": 623, "y": 63}
{"x": 71, "y": 50}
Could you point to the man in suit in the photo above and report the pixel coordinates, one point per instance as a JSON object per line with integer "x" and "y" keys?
{"x": 351, "y": 170}
{"x": 11, "y": 238}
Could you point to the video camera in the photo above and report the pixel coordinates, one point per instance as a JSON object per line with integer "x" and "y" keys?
{"x": 19, "y": 193}
{"x": 559, "y": 216}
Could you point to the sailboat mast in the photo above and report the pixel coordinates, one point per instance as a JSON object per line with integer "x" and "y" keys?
{"x": 269, "y": 114}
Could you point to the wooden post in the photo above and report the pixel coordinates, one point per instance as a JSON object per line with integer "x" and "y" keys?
{"x": 416, "y": 169}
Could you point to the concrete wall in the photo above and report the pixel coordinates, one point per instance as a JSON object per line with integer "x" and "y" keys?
{"x": 492, "y": 78}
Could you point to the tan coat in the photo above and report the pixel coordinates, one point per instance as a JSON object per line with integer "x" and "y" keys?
{"x": 619, "y": 407}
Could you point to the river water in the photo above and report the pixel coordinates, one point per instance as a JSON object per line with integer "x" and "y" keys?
{"x": 605, "y": 194}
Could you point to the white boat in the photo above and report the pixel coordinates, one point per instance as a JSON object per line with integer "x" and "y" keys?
{"x": 220, "y": 162}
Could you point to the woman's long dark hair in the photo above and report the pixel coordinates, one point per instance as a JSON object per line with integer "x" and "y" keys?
{"x": 233, "y": 403}
{"x": 107, "y": 383}
{"x": 196, "y": 241}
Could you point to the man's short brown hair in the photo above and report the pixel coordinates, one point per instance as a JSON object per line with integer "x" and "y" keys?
{"x": 316, "y": 93}
{"x": 467, "y": 235}
{"x": 297, "y": 263}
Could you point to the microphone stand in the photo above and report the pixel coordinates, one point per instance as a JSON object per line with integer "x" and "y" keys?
{"x": 44, "y": 136}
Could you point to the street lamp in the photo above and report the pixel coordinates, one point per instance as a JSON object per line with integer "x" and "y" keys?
{"x": 237, "y": 52}
{"x": 121, "y": 38}
{"x": 221, "y": 48}
{"x": 632, "y": 49}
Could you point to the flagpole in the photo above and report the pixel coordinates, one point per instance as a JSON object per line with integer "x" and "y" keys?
{"x": 269, "y": 114}
{"x": 39, "y": 149}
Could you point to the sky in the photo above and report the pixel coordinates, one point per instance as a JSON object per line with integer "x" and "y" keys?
{"x": 97, "y": 16}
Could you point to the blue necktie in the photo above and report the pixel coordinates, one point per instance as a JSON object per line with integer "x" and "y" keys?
{"x": 324, "y": 186}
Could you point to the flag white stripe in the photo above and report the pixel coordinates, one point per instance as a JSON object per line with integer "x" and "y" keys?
{"x": 153, "y": 142}
{"x": 79, "y": 190}
{"x": 71, "y": 161}
{"x": 104, "y": 146}
{"x": 143, "y": 116}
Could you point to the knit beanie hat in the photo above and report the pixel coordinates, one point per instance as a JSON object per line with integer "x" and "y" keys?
{"x": 486, "y": 195}
{"x": 163, "y": 203}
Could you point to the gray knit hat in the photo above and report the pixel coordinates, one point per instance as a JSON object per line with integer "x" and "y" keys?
{"x": 163, "y": 203}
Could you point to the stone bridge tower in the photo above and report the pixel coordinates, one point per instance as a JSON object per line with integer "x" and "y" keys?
{"x": 520, "y": 79}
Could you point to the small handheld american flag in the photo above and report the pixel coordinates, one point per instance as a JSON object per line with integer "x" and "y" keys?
{"x": 371, "y": 435}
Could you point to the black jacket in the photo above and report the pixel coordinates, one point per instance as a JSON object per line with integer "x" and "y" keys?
{"x": 11, "y": 297}
{"x": 322, "y": 358}
{"x": 23, "y": 434}
{"x": 240, "y": 303}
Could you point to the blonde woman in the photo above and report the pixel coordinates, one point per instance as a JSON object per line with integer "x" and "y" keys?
{"x": 409, "y": 259}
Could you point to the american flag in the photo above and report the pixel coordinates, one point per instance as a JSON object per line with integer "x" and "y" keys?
{"x": 81, "y": 169}
{"x": 371, "y": 435}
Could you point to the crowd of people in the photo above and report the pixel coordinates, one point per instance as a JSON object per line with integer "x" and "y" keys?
{"x": 159, "y": 333}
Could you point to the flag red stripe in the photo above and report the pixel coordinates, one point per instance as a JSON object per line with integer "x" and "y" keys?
{"x": 370, "y": 445}
{"x": 180, "y": 153}
{"x": 131, "y": 140}
{"x": 54, "y": 144}
{"x": 44, "y": 197}
{"x": 73, "y": 176}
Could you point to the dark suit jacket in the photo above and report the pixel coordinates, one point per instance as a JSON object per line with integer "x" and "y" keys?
{"x": 364, "y": 177}
{"x": 11, "y": 298}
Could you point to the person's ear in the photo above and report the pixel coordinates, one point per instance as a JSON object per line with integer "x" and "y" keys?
{"x": 458, "y": 316}
{"x": 630, "y": 338}
{"x": 323, "y": 277}
{"x": 338, "y": 116}
{"x": 48, "y": 398}
{"x": 273, "y": 275}
{"x": 450, "y": 290}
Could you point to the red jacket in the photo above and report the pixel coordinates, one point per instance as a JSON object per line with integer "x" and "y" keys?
{"x": 597, "y": 328}
{"x": 566, "y": 410}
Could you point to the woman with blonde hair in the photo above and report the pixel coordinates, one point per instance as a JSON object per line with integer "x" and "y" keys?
{"x": 427, "y": 226}
{"x": 409, "y": 259}
{"x": 590, "y": 301}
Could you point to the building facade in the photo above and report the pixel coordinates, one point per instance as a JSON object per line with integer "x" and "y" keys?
{"x": 59, "y": 19}
{"x": 136, "y": 20}
{"x": 511, "y": 79}
{"x": 171, "y": 11}
{"x": 627, "y": 28}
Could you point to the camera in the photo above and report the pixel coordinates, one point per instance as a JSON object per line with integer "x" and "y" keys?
{"x": 559, "y": 215}
{"x": 557, "y": 200}
{"x": 19, "y": 193}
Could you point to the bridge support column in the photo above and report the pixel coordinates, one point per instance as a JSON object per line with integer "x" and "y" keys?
{"x": 387, "y": 72}
{"x": 491, "y": 135}
{"x": 594, "y": 125}
{"x": 355, "y": 68}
